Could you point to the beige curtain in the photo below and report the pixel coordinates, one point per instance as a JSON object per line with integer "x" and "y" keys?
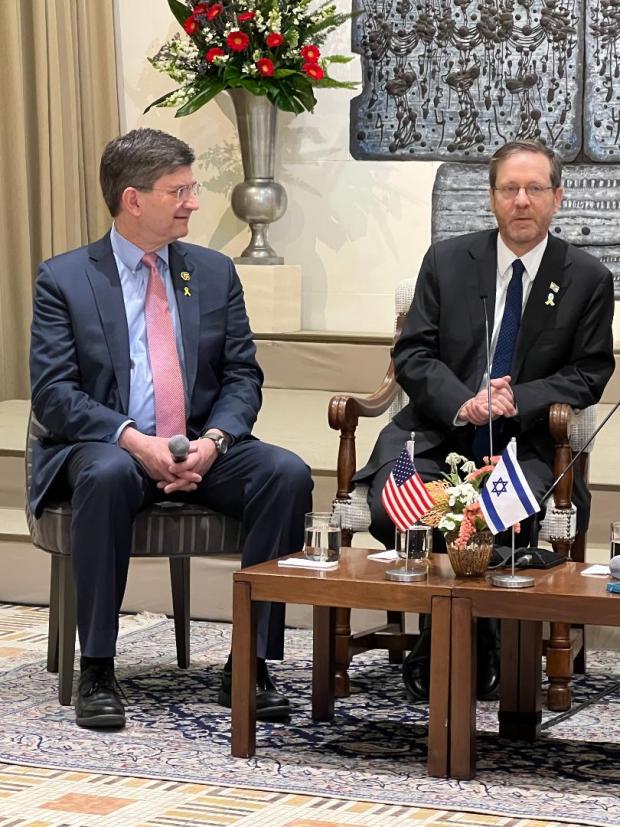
{"x": 58, "y": 108}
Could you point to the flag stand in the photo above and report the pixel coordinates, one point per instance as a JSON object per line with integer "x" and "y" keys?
{"x": 512, "y": 580}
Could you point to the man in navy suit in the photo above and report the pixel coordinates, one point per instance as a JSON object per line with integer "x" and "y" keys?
{"x": 131, "y": 335}
{"x": 558, "y": 303}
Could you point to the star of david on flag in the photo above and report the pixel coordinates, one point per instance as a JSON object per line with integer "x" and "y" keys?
{"x": 404, "y": 495}
{"x": 506, "y": 498}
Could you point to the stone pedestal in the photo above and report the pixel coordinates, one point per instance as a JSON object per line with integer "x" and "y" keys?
{"x": 272, "y": 296}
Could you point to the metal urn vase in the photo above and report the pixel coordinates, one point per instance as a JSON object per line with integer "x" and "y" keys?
{"x": 259, "y": 200}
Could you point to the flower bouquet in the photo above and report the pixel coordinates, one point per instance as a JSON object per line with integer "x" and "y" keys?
{"x": 457, "y": 514}
{"x": 268, "y": 47}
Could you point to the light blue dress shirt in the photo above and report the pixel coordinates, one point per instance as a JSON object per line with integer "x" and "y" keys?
{"x": 134, "y": 276}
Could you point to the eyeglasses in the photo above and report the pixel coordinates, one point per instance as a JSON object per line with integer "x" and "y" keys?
{"x": 181, "y": 193}
{"x": 533, "y": 191}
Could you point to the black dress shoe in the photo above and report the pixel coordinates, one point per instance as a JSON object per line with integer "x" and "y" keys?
{"x": 271, "y": 705}
{"x": 417, "y": 665}
{"x": 487, "y": 671}
{"x": 98, "y": 704}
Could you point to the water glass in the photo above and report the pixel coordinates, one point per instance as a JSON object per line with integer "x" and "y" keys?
{"x": 322, "y": 536}
{"x": 415, "y": 546}
{"x": 614, "y": 539}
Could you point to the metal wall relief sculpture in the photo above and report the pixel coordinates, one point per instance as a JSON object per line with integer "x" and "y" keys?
{"x": 455, "y": 79}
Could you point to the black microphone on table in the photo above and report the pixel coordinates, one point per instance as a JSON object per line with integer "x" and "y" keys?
{"x": 487, "y": 339}
{"x": 178, "y": 445}
{"x": 545, "y": 558}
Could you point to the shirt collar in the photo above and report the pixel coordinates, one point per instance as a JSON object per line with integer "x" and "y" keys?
{"x": 531, "y": 261}
{"x": 131, "y": 255}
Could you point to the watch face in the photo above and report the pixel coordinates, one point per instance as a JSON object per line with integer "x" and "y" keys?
{"x": 222, "y": 445}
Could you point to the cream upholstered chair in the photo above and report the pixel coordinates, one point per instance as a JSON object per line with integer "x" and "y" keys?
{"x": 174, "y": 530}
{"x": 570, "y": 431}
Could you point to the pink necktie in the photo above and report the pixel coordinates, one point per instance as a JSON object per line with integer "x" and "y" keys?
{"x": 165, "y": 367}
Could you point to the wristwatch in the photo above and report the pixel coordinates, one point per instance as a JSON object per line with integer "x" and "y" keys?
{"x": 221, "y": 443}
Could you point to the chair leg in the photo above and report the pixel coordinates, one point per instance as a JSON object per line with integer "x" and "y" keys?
{"x": 179, "y": 580}
{"x": 559, "y": 667}
{"x": 342, "y": 653}
{"x": 398, "y": 619}
{"x": 67, "y": 622}
{"x": 52, "y": 627}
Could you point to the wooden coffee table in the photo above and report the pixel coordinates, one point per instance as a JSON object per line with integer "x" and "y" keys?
{"x": 559, "y": 594}
{"x": 356, "y": 583}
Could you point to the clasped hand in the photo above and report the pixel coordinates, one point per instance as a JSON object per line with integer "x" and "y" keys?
{"x": 154, "y": 456}
{"x": 476, "y": 409}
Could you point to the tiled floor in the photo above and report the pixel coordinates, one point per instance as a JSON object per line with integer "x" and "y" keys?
{"x": 31, "y": 797}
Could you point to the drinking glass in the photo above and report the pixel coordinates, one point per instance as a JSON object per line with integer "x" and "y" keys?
{"x": 322, "y": 536}
{"x": 414, "y": 546}
{"x": 614, "y": 539}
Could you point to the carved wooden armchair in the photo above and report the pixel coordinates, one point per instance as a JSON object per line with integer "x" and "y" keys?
{"x": 570, "y": 430}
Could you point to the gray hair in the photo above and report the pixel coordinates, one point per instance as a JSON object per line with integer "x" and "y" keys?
{"x": 138, "y": 159}
{"x": 537, "y": 147}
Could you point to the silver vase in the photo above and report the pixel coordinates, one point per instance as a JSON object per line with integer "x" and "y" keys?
{"x": 259, "y": 200}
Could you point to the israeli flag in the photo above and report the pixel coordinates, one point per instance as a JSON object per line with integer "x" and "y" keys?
{"x": 507, "y": 498}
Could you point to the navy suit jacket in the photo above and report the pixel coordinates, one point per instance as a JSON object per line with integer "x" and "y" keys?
{"x": 564, "y": 349}
{"x": 79, "y": 360}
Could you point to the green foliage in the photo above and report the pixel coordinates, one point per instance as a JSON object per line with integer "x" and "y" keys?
{"x": 204, "y": 61}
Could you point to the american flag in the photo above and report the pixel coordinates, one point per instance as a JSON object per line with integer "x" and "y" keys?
{"x": 404, "y": 495}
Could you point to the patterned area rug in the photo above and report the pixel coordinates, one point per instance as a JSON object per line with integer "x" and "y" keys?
{"x": 374, "y": 750}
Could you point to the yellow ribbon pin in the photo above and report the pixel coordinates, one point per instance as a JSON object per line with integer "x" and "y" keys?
{"x": 550, "y": 302}
{"x": 187, "y": 291}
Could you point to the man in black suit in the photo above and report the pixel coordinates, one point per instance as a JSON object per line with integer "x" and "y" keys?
{"x": 135, "y": 338}
{"x": 561, "y": 349}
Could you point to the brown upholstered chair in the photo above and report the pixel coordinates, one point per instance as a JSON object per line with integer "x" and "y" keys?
{"x": 569, "y": 430}
{"x": 172, "y": 530}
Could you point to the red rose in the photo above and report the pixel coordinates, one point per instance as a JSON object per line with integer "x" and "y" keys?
{"x": 265, "y": 67}
{"x": 313, "y": 70}
{"x": 274, "y": 39}
{"x": 237, "y": 41}
{"x": 310, "y": 54}
{"x": 191, "y": 25}
{"x": 214, "y": 52}
{"x": 246, "y": 15}
{"x": 214, "y": 10}
{"x": 200, "y": 8}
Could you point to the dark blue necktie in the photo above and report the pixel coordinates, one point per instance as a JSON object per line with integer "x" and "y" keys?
{"x": 502, "y": 358}
{"x": 509, "y": 329}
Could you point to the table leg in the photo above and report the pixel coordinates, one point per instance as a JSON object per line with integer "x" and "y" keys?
{"x": 439, "y": 703}
{"x": 520, "y": 706}
{"x": 462, "y": 691}
{"x": 323, "y": 663}
{"x": 243, "y": 718}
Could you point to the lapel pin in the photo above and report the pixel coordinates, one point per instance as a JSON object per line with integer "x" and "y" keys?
{"x": 548, "y": 303}
{"x": 553, "y": 286}
{"x": 187, "y": 291}
{"x": 185, "y": 276}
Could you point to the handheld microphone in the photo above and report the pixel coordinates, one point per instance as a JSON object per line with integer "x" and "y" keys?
{"x": 178, "y": 445}
{"x": 483, "y": 297}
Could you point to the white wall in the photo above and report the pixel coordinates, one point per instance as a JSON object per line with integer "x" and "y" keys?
{"x": 356, "y": 227}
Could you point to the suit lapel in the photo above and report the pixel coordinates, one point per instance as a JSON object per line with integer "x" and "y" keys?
{"x": 106, "y": 286}
{"x": 186, "y": 289}
{"x": 540, "y": 310}
{"x": 482, "y": 281}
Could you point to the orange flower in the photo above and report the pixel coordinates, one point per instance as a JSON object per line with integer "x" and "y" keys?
{"x": 265, "y": 67}
{"x": 237, "y": 41}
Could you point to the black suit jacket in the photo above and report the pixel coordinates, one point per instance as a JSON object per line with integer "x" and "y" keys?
{"x": 564, "y": 350}
{"x": 79, "y": 359}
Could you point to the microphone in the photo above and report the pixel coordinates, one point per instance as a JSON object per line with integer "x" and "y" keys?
{"x": 483, "y": 297}
{"x": 178, "y": 445}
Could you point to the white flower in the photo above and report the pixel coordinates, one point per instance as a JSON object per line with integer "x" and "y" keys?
{"x": 454, "y": 460}
{"x": 468, "y": 467}
{"x": 450, "y": 522}
{"x": 463, "y": 494}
